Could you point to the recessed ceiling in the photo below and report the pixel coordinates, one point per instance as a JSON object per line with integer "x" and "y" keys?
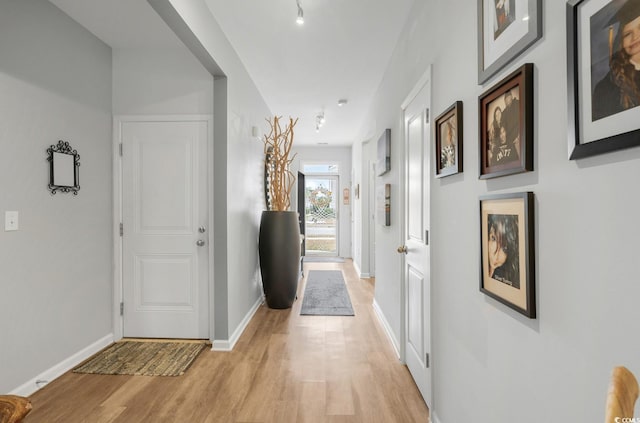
{"x": 341, "y": 51}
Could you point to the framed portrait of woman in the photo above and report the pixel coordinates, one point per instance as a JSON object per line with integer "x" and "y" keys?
{"x": 506, "y": 28}
{"x": 507, "y": 269}
{"x": 603, "y": 68}
{"x": 448, "y": 138}
{"x": 506, "y": 125}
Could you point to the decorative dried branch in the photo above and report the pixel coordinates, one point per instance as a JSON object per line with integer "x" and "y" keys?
{"x": 277, "y": 147}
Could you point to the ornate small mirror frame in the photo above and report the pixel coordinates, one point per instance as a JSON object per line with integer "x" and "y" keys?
{"x": 64, "y": 162}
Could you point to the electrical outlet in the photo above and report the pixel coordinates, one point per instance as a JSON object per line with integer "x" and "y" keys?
{"x": 10, "y": 220}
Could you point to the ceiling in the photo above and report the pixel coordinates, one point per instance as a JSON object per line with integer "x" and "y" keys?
{"x": 341, "y": 51}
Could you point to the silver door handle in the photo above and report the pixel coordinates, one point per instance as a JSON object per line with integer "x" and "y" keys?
{"x": 202, "y": 229}
{"x": 200, "y": 242}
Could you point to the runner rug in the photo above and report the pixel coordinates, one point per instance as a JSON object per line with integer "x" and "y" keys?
{"x": 145, "y": 358}
{"x": 326, "y": 294}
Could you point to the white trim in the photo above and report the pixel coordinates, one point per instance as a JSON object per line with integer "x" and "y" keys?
{"x": 118, "y": 297}
{"x": 387, "y": 328}
{"x": 433, "y": 417}
{"x": 118, "y": 322}
{"x": 426, "y": 77}
{"x": 359, "y": 272}
{"x": 64, "y": 366}
{"x": 228, "y": 345}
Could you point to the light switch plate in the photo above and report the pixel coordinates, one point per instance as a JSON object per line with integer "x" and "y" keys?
{"x": 11, "y": 221}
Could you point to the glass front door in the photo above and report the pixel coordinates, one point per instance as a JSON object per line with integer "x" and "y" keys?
{"x": 321, "y": 215}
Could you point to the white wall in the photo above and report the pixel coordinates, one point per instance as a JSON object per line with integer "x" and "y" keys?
{"x": 342, "y": 156}
{"x": 490, "y": 363}
{"x": 238, "y": 162}
{"x": 55, "y": 272}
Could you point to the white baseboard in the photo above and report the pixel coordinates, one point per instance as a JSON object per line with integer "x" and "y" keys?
{"x": 359, "y": 272}
{"x": 64, "y": 366}
{"x": 387, "y": 328}
{"x": 433, "y": 417}
{"x": 228, "y": 344}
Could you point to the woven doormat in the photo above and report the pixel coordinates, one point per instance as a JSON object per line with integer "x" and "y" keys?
{"x": 144, "y": 358}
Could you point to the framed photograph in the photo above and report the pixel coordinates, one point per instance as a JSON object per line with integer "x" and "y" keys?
{"x": 448, "y": 138}
{"x": 383, "y": 204}
{"x": 506, "y": 28}
{"x": 506, "y": 125}
{"x": 383, "y": 165}
{"x": 507, "y": 269}
{"x": 603, "y": 70}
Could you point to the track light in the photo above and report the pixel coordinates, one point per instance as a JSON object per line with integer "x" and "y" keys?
{"x": 300, "y": 18}
{"x": 319, "y": 121}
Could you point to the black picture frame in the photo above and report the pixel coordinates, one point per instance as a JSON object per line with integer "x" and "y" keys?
{"x": 514, "y": 153}
{"x": 64, "y": 168}
{"x": 383, "y": 164}
{"x": 449, "y": 130}
{"x": 507, "y": 227}
{"x": 583, "y": 141}
{"x": 529, "y": 18}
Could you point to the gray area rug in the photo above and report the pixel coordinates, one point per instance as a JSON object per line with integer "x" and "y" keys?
{"x": 326, "y": 294}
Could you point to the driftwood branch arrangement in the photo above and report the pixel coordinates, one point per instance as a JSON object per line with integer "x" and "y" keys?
{"x": 277, "y": 147}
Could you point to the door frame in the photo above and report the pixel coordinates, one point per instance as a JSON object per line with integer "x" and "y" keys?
{"x": 404, "y": 309}
{"x": 118, "y": 294}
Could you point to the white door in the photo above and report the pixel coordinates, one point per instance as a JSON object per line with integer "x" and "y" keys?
{"x": 165, "y": 243}
{"x": 416, "y": 268}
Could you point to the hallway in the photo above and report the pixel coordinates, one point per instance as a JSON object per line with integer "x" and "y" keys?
{"x": 284, "y": 368}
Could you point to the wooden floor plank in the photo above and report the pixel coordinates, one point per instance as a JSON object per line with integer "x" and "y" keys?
{"x": 285, "y": 368}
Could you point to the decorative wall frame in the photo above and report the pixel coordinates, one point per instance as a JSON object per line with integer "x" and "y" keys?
{"x": 64, "y": 164}
{"x": 604, "y": 104}
{"x": 506, "y": 125}
{"x": 383, "y": 165}
{"x": 449, "y": 145}
{"x": 506, "y": 28}
{"x": 507, "y": 258}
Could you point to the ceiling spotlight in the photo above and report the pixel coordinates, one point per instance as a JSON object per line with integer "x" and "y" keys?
{"x": 300, "y": 18}
{"x": 342, "y": 102}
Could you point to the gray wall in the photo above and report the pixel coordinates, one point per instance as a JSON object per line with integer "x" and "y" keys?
{"x": 491, "y": 364}
{"x": 238, "y": 179}
{"x": 160, "y": 82}
{"x": 56, "y": 276}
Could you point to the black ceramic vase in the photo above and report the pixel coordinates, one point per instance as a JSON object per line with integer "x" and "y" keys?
{"x": 279, "y": 249}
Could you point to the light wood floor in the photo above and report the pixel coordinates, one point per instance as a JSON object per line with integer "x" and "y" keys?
{"x": 284, "y": 368}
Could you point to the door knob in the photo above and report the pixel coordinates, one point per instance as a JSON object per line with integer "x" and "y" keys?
{"x": 200, "y": 242}
{"x": 403, "y": 249}
{"x": 202, "y": 229}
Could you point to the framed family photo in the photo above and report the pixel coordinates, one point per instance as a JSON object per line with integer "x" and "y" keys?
{"x": 448, "y": 138}
{"x": 506, "y": 125}
{"x": 603, "y": 70}
{"x": 507, "y": 269}
{"x": 506, "y": 28}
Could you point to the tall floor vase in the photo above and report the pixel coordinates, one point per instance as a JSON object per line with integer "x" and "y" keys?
{"x": 279, "y": 250}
